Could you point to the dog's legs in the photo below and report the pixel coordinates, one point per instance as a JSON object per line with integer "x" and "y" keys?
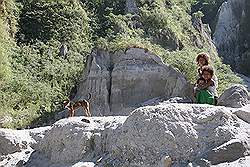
{"x": 71, "y": 113}
{"x": 86, "y": 110}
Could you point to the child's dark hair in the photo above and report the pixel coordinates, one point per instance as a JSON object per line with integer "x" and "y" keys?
{"x": 204, "y": 56}
{"x": 200, "y": 79}
{"x": 208, "y": 69}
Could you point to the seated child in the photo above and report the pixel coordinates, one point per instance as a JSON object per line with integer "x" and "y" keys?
{"x": 199, "y": 85}
{"x": 208, "y": 91}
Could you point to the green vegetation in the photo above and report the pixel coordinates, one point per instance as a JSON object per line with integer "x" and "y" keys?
{"x": 40, "y": 77}
{"x": 5, "y": 52}
{"x": 35, "y": 78}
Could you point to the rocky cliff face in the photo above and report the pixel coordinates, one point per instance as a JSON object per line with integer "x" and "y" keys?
{"x": 163, "y": 135}
{"x": 205, "y": 35}
{"x": 231, "y": 36}
{"x": 119, "y": 82}
{"x": 245, "y": 41}
{"x": 131, "y": 7}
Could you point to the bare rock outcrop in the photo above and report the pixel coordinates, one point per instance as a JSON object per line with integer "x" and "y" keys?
{"x": 205, "y": 34}
{"x": 181, "y": 131}
{"x": 243, "y": 113}
{"x": 10, "y": 142}
{"x": 16, "y": 145}
{"x": 228, "y": 152}
{"x": 174, "y": 135}
{"x": 242, "y": 162}
{"x": 227, "y": 32}
{"x": 96, "y": 80}
{"x": 235, "y": 96}
{"x": 119, "y": 82}
{"x": 73, "y": 139}
{"x": 131, "y": 7}
{"x": 77, "y": 140}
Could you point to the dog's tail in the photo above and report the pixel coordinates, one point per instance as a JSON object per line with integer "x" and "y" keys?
{"x": 89, "y": 96}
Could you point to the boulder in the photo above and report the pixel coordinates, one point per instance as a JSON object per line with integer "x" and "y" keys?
{"x": 119, "y": 82}
{"x": 15, "y": 145}
{"x": 228, "y": 152}
{"x": 242, "y": 162}
{"x": 163, "y": 101}
{"x": 96, "y": 79}
{"x": 74, "y": 139}
{"x": 243, "y": 113}
{"x": 11, "y": 142}
{"x": 37, "y": 134}
{"x": 236, "y": 96}
{"x": 182, "y": 132}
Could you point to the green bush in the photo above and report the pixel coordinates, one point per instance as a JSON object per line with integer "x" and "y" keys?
{"x": 5, "y": 51}
{"x": 41, "y": 78}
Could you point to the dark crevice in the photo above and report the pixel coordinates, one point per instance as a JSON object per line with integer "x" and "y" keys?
{"x": 110, "y": 69}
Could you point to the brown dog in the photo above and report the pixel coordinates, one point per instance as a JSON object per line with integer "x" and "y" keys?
{"x": 73, "y": 106}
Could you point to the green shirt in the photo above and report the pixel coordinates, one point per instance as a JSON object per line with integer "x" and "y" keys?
{"x": 205, "y": 97}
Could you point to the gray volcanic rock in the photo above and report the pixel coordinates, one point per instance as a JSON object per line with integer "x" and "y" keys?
{"x": 243, "y": 113}
{"x": 236, "y": 96}
{"x": 96, "y": 80}
{"x": 138, "y": 76}
{"x": 244, "y": 66}
{"x": 15, "y": 145}
{"x": 205, "y": 35}
{"x": 12, "y": 141}
{"x": 163, "y": 135}
{"x": 242, "y": 162}
{"x": 121, "y": 81}
{"x": 9, "y": 143}
{"x": 181, "y": 131}
{"x": 228, "y": 152}
{"x": 74, "y": 139}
